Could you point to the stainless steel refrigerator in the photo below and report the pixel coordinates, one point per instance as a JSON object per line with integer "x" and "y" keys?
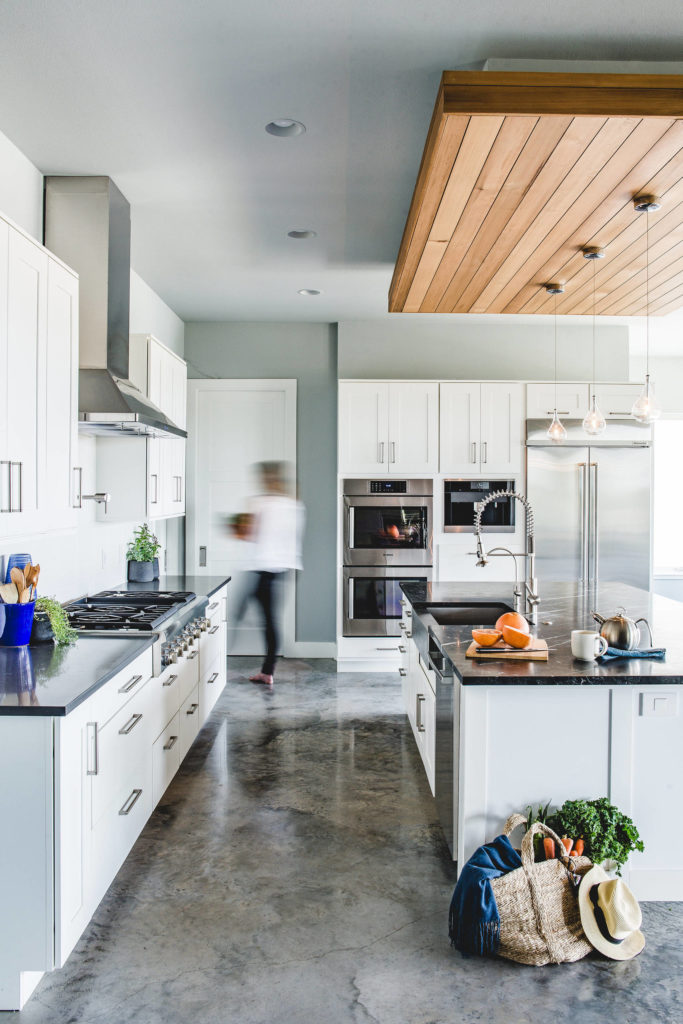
{"x": 592, "y": 501}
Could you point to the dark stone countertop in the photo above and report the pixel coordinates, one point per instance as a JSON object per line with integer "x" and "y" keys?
{"x": 203, "y": 586}
{"x": 50, "y": 680}
{"x": 563, "y": 607}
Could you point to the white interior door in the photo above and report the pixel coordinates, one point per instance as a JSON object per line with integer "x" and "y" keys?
{"x": 232, "y": 425}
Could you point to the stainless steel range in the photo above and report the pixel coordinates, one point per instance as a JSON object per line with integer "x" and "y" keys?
{"x": 177, "y": 618}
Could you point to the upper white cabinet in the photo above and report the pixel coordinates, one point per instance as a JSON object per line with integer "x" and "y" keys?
{"x": 616, "y": 400}
{"x": 388, "y": 427}
{"x": 571, "y": 400}
{"x": 38, "y": 385}
{"x": 481, "y": 428}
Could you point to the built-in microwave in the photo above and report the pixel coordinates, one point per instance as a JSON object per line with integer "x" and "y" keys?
{"x": 460, "y": 498}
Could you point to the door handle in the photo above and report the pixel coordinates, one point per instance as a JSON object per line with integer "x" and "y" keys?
{"x": 155, "y": 499}
{"x": 418, "y": 712}
{"x": 214, "y": 630}
{"x": 350, "y": 598}
{"x": 192, "y": 656}
{"x": 474, "y": 451}
{"x": 94, "y": 749}
{"x": 212, "y": 679}
{"x": 131, "y": 801}
{"x": 352, "y": 525}
{"x": 595, "y": 524}
{"x": 127, "y": 687}
{"x": 171, "y": 743}
{"x": 192, "y": 709}
{"x": 485, "y": 451}
{"x": 78, "y": 502}
{"x": 381, "y": 453}
{"x": 214, "y": 604}
{"x": 393, "y": 451}
{"x": 402, "y": 672}
{"x": 584, "y": 521}
{"x": 202, "y": 556}
{"x": 130, "y": 724}
{"x": 170, "y": 681}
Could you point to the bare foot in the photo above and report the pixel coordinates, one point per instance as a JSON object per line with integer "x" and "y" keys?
{"x": 261, "y": 677}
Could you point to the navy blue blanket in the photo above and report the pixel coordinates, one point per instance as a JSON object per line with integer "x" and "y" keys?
{"x": 473, "y": 921}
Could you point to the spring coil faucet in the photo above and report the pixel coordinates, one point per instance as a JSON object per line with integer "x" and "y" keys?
{"x": 526, "y": 600}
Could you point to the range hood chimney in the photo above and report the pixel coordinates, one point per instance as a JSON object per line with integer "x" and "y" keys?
{"x": 87, "y": 224}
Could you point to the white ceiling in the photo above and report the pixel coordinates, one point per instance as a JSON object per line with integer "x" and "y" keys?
{"x": 170, "y": 98}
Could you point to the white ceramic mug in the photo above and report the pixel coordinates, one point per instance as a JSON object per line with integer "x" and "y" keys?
{"x": 587, "y": 645}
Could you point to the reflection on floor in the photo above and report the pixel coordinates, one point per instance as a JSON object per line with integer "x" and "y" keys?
{"x": 294, "y": 873}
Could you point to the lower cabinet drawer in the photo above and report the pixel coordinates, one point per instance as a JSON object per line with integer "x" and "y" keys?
{"x": 166, "y": 757}
{"x": 211, "y": 687}
{"x": 189, "y": 722}
{"x": 118, "y": 828}
{"x": 125, "y": 740}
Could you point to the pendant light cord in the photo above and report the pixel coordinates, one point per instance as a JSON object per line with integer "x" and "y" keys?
{"x": 555, "y": 353}
{"x": 594, "y": 272}
{"x": 647, "y": 294}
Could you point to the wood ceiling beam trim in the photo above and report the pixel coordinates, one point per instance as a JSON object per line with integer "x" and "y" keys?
{"x": 540, "y": 174}
{"x": 510, "y": 141}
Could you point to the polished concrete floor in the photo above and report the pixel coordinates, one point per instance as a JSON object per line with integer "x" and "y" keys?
{"x": 294, "y": 873}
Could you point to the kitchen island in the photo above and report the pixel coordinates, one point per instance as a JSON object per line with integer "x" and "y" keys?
{"x": 498, "y": 735}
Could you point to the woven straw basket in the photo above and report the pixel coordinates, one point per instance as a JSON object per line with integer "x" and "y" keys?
{"x": 537, "y": 904}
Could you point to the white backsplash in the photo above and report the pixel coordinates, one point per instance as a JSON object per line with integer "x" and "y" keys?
{"x": 92, "y": 555}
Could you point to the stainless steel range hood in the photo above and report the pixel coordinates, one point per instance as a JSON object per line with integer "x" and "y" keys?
{"x": 87, "y": 224}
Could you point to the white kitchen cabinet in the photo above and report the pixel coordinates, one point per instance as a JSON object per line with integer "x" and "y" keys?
{"x": 481, "y": 428}
{"x": 388, "y": 427}
{"x": 59, "y": 481}
{"x": 571, "y": 401}
{"x": 615, "y": 401}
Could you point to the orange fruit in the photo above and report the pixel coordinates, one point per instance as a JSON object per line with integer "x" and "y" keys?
{"x": 486, "y": 637}
{"x": 513, "y": 619}
{"x": 516, "y": 637}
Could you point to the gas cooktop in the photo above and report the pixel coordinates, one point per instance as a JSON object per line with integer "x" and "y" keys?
{"x": 142, "y": 597}
{"x": 124, "y": 611}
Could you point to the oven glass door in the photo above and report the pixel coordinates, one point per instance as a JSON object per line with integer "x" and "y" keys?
{"x": 372, "y": 600}
{"x": 398, "y": 528}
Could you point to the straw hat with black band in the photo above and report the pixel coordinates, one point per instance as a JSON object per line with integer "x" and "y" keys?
{"x": 610, "y": 915}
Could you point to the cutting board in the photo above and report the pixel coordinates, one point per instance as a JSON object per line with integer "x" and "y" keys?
{"x": 538, "y": 651}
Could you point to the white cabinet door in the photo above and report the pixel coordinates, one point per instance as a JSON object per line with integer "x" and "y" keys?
{"x": 157, "y": 374}
{"x": 26, "y": 377}
{"x": 363, "y": 427}
{"x": 460, "y": 428}
{"x": 616, "y": 400}
{"x": 57, "y": 441}
{"x": 175, "y": 477}
{"x": 155, "y": 477}
{"x": 501, "y": 428}
{"x": 572, "y": 400}
{"x": 413, "y": 427}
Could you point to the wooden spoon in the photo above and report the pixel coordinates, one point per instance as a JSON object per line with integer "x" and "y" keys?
{"x": 25, "y": 596}
{"x": 17, "y": 577}
{"x": 9, "y": 593}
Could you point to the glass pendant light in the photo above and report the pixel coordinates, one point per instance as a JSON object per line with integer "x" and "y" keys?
{"x": 556, "y": 431}
{"x": 594, "y": 423}
{"x": 645, "y": 408}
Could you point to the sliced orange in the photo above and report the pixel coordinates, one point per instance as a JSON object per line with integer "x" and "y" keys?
{"x": 513, "y": 619}
{"x": 516, "y": 637}
{"x": 486, "y": 637}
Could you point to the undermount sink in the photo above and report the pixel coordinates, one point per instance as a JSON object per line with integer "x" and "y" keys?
{"x": 474, "y": 614}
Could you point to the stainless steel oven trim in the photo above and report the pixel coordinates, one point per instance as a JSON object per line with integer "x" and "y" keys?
{"x": 375, "y": 627}
{"x": 382, "y": 556}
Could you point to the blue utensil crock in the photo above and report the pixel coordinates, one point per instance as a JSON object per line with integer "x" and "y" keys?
{"x": 16, "y": 621}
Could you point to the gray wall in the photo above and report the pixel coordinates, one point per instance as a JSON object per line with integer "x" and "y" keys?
{"x": 309, "y": 353}
{"x": 420, "y": 348}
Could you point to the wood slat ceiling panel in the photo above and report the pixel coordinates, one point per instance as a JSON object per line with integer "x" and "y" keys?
{"x": 520, "y": 172}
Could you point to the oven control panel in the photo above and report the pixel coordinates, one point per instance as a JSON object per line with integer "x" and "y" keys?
{"x": 388, "y": 487}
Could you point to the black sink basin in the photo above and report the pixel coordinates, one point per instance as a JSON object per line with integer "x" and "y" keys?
{"x": 468, "y": 614}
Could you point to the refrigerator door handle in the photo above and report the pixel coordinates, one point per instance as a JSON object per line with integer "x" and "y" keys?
{"x": 584, "y": 521}
{"x": 594, "y": 524}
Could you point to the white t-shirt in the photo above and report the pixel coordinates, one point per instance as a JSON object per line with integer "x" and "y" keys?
{"x": 278, "y": 532}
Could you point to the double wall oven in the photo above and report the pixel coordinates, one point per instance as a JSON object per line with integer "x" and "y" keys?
{"x": 387, "y": 540}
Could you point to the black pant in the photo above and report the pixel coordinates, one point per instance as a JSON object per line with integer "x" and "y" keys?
{"x": 267, "y": 595}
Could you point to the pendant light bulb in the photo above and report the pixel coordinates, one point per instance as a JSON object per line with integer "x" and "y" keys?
{"x": 557, "y": 432}
{"x": 645, "y": 408}
{"x": 594, "y": 422}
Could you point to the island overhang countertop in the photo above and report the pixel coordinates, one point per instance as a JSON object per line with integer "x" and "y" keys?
{"x": 563, "y": 607}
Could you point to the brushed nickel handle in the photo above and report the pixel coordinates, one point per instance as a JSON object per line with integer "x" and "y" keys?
{"x": 202, "y": 556}
{"x": 194, "y": 654}
{"x": 393, "y": 451}
{"x": 78, "y": 502}
{"x": 474, "y": 451}
{"x": 213, "y": 605}
{"x": 192, "y": 709}
{"x": 560, "y": 412}
{"x": 408, "y": 613}
{"x": 171, "y": 743}
{"x": 618, "y": 413}
{"x": 485, "y": 451}
{"x": 402, "y": 650}
{"x": 130, "y": 724}
{"x": 155, "y": 478}
{"x": 214, "y": 630}
{"x": 418, "y": 712}
{"x": 213, "y": 678}
{"x": 352, "y": 525}
{"x": 127, "y": 687}
{"x": 21, "y": 486}
{"x": 381, "y": 452}
{"x": 350, "y": 598}
{"x": 170, "y": 681}
{"x": 402, "y": 672}
{"x": 94, "y": 749}
{"x": 131, "y": 801}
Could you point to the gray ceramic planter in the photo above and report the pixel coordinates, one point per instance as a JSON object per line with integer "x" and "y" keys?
{"x": 140, "y": 572}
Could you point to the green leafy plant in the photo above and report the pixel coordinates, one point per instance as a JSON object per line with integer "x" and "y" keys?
{"x": 607, "y": 833}
{"x": 59, "y": 620}
{"x": 540, "y": 814}
{"x": 144, "y": 547}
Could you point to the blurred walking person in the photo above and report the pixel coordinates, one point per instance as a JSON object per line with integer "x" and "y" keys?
{"x": 274, "y": 525}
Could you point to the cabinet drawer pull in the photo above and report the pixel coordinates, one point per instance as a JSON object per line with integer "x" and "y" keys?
{"x": 381, "y": 452}
{"x": 402, "y": 672}
{"x": 78, "y": 501}
{"x": 131, "y": 801}
{"x": 618, "y": 413}
{"x": 401, "y": 649}
{"x": 393, "y": 649}
{"x": 130, "y": 725}
{"x": 408, "y": 613}
{"x": 213, "y": 678}
{"x": 560, "y": 412}
{"x": 192, "y": 709}
{"x": 171, "y": 743}
{"x": 418, "y": 712}
{"x": 213, "y": 605}
{"x": 94, "y": 749}
{"x": 193, "y": 655}
{"x": 484, "y": 451}
{"x": 474, "y": 451}
{"x": 127, "y": 687}
{"x": 214, "y": 630}
{"x": 170, "y": 681}
{"x": 393, "y": 451}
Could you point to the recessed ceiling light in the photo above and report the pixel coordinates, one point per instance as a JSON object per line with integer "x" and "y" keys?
{"x": 302, "y": 234}
{"x": 285, "y": 128}
{"x": 308, "y": 291}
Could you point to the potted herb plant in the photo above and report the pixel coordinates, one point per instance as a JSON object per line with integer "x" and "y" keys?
{"x": 141, "y": 554}
{"x": 51, "y": 623}
{"x": 609, "y": 835}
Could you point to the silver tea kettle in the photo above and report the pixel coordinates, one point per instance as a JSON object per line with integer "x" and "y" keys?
{"x": 621, "y": 632}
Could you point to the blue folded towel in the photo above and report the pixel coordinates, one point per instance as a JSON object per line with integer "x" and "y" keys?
{"x": 473, "y": 921}
{"x": 645, "y": 652}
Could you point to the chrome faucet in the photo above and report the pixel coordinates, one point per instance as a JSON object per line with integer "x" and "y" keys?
{"x": 526, "y": 594}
